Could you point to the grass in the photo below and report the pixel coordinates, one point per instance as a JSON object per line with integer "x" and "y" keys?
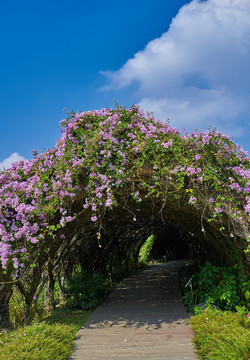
{"x": 50, "y": 339}
{"x": 221, "y": 335}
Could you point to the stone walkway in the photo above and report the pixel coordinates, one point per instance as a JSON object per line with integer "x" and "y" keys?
{"x": 144, "y": 318}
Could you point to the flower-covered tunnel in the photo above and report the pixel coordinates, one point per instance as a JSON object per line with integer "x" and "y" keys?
{"x": 114, "y": 178}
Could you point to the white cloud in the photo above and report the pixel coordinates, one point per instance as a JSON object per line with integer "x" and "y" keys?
{"x": 197, "y": 73}
{"x": 6, "y": 163}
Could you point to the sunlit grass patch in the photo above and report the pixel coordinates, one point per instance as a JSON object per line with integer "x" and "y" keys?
{"x": 222, "y": 335}
{"x": 50, "y": 339}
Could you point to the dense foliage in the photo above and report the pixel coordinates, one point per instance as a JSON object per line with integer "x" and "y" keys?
{"x": 146, "y": 249}
{"x": 226, "y": 286}
{"x": 85, "y": 292}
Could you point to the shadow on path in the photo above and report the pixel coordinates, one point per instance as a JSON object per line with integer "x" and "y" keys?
{"x": 144, "y": 318}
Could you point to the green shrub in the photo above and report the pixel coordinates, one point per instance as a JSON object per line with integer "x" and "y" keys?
{"x": 85, "y": 292}
{"x": 225, "y": 286}
{"x": 146, "y": 249}
{"x": 222, "y": 335}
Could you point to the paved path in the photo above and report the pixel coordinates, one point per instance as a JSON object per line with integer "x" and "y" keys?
{"x": 144, "y": 318}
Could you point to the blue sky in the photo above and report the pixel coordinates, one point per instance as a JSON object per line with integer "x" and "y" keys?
{"x": 183, "y": 60}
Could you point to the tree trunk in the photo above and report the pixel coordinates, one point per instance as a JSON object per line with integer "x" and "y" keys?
{"x": 5, "y": 294}
{"x": 61, "y": 282}
{"x": 49, "y": 299}
{"x": 27, "y": 313}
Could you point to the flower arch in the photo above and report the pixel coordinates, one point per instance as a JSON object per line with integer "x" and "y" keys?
{"x": 119, "y": 169}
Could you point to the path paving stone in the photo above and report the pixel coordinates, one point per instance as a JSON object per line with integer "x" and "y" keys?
{"x": 144, "y": 318}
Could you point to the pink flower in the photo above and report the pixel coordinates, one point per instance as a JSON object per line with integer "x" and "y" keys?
{"x": 247, "y": 208}
{"x": 236, "y": 186}
{"x": 94, "y": 218}
{"x": 15, "y": 263}
{"x": 108, "y": 202}
{"x": 218, "y": 210}
{"x": 86, "y": 204}
{"x": 167, "y": 144}
{"x": 192, "y": 200}
{"x": 111, "y": 166}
